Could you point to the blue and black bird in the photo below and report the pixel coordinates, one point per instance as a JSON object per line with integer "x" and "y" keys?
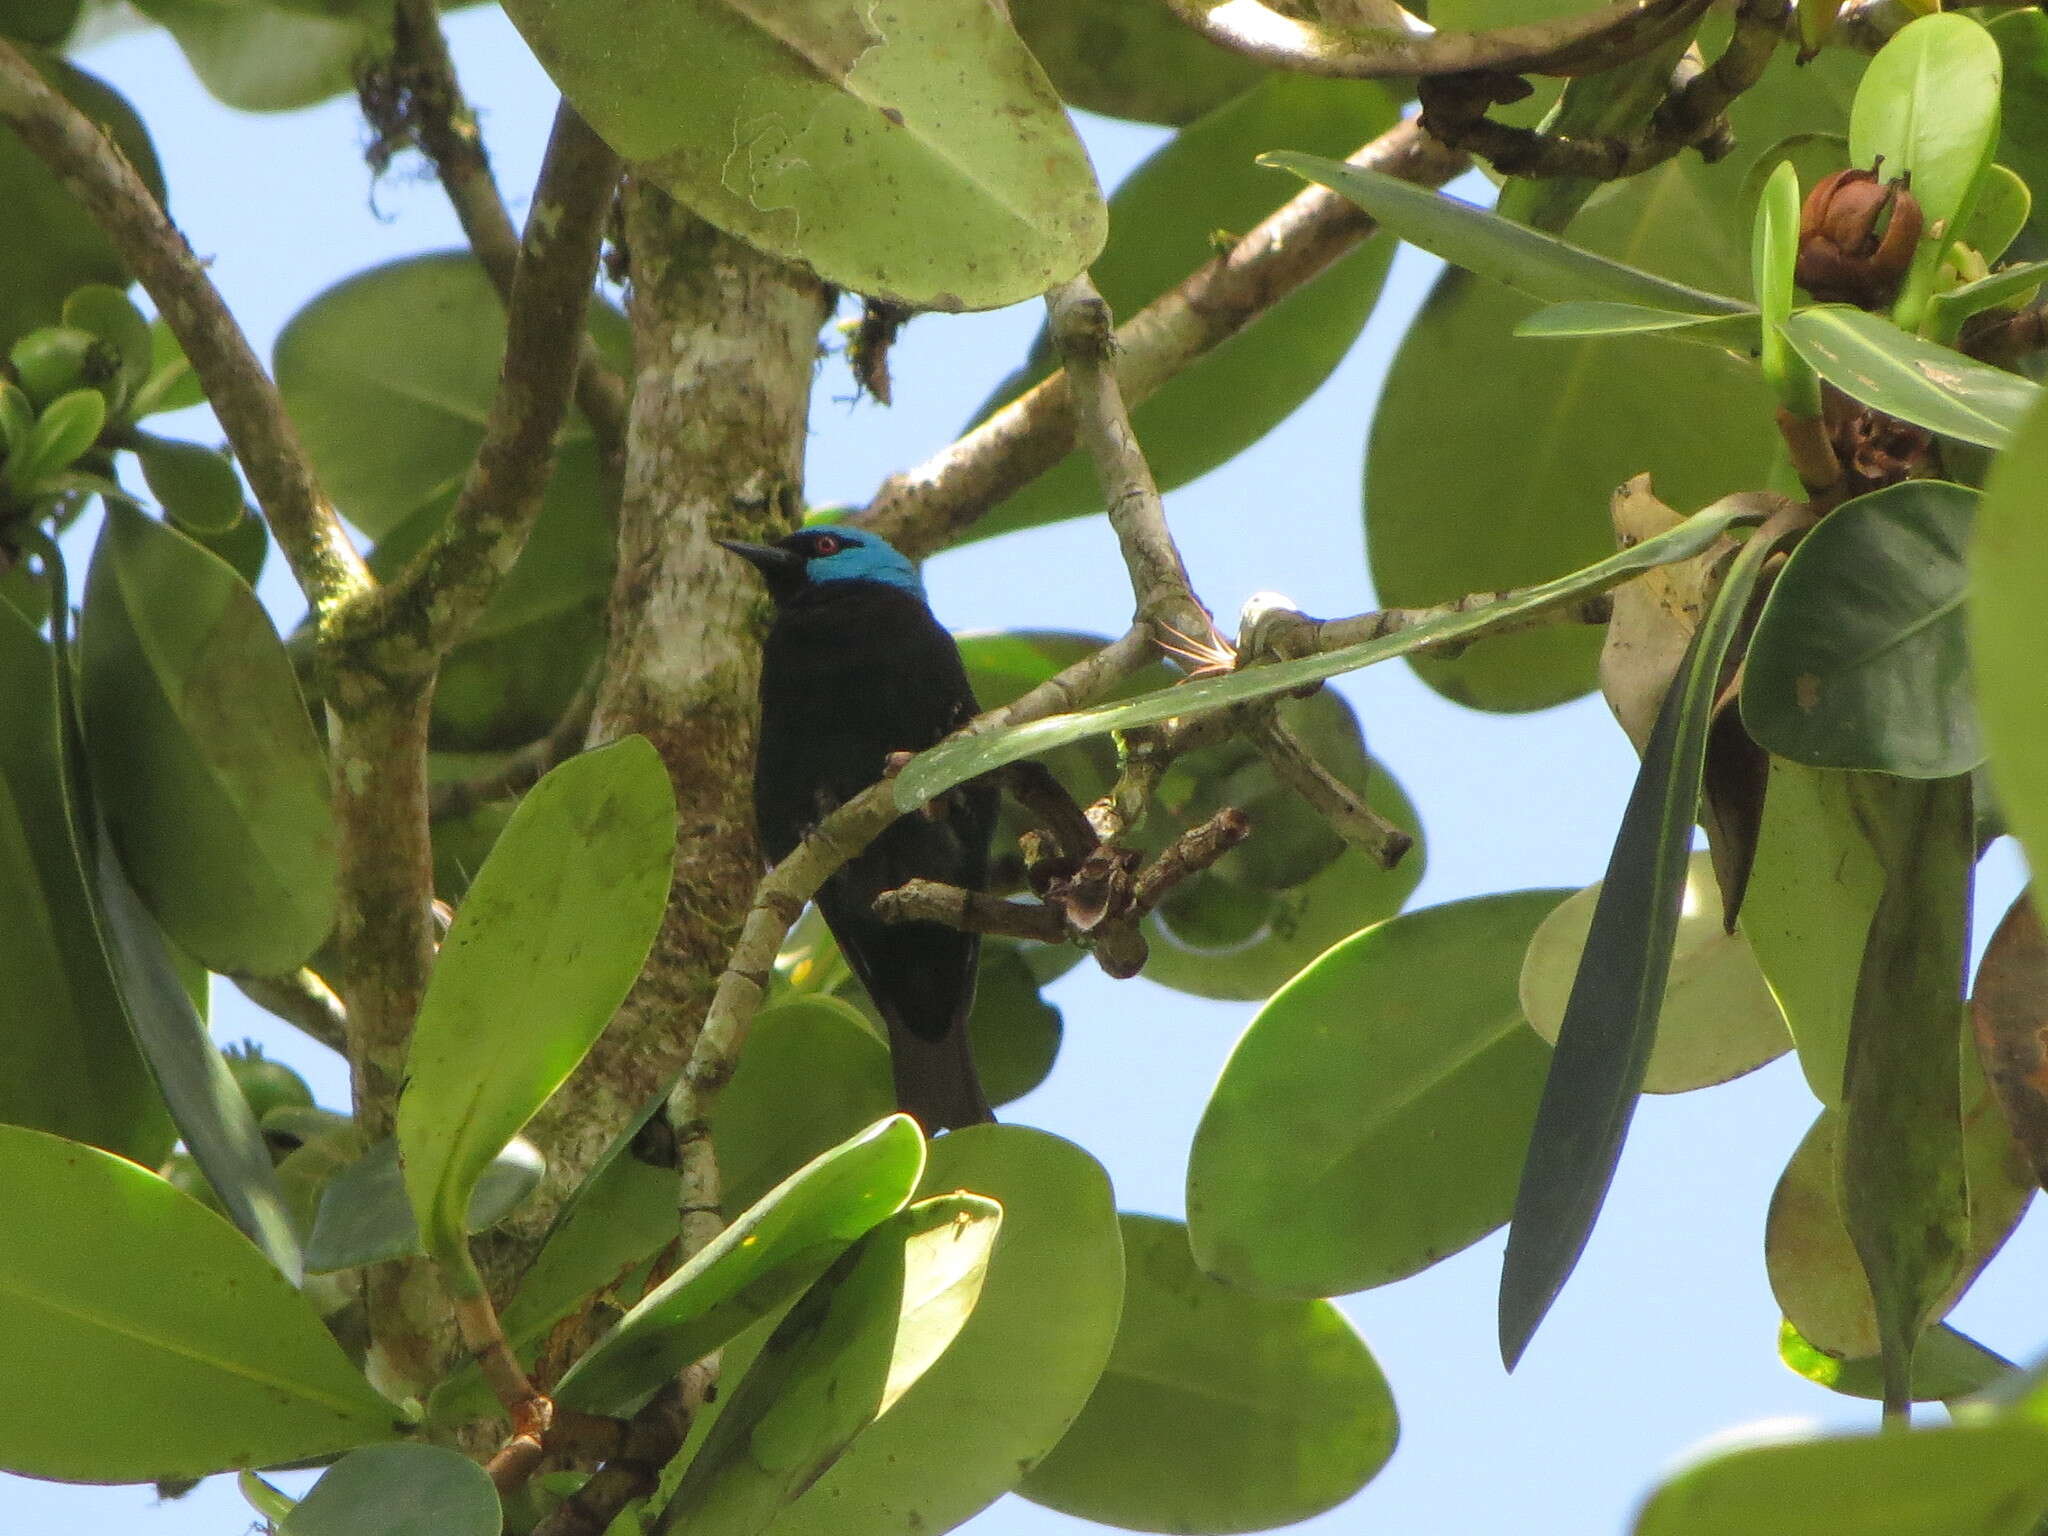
{"x": 856, "y": 668}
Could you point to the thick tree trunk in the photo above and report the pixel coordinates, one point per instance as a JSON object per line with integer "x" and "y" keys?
{"x": 724, "y": 346}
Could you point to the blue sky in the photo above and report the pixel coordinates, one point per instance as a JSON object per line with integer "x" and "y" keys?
{"x": 1665, "y": 1335}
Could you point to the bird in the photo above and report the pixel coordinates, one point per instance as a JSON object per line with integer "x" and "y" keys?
{"x": 854, "y": 669}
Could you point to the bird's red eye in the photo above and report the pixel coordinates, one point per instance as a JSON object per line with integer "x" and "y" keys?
{"x": 828, "y": 544}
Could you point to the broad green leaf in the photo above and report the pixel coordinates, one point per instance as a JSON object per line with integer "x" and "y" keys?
{"x": 2004, "y": 204}
{"x": 389, "y": 377}
{"x": 2009, "y": 1017}
{"x": 203, "y": 760}
{"x": 1603, "y": 1045}
{"x": 1022, "y": 1368}
{"x": 2022, "y": 38}
{"x": 64, "y": 430}
{"x": 835, "y": 150}
{"x": 68, "y": 1065}
{"x": 1904, "y": 1186}
{"x": 2009, "y": 631}
{"x": 364, "y": 1217}
{"x": 44, "y": 23}
{"x": 197, "y": 487}
{"x": 1987, "y": 1479}
{"x": 139, "y": 1312}
{"x": 846, "y": 1353}
{"x": 1163, "y": 221}
{"x": 1812, "y": 891}
{"x": 172, "y": 385}
{"x": 1948, "y": 1365}
{"x": 265, "y": 58}
{"x": 769, "y": 1254}
{"x": 1814, "y": 1271}
{"x": 1449, "y": 513}
{"x": 398, "y": 1490}
{"x": 1373, "y": 1118}
{"x": 1218, "y": 1411}
{"x": 49, "y": 245}
{"x": 1130, "y": 58}
{"x": 1874, "y": 362}
{"x": 1928, "y": 108}
{"x": 106, "y": 312}
{"x": 938, "y": 769}
{"x": 1718, "y": 1019}
{"x": 551, "y": 935}
{"x": 1774, "y": 255}
{"x": 1579, "y": 318}
{"x": 1540, "y": 265}
{"x": 1859, "y": 659}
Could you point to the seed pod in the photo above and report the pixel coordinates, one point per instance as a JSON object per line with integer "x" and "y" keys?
{"x": 1857, "y": 236}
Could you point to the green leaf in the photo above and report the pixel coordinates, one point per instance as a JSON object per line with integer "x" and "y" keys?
{"x": 2009, "y": 1017}
{"x": 1163, "y": 222}
{"x": 769, "y": 1254}
{"x": 1987, "y": 1479}
{"x": 1448, "y": 512}
{"x": 172, "y": 385}
{"x": 1131, "y": 58}
{"x": 1859, "y": 659}
{"x": 17, "y": 416}
{"x": 1373, "y": 1118}
{"x": 2022, "y": 38}
{"x": 2003, "y": 206}
{"x": 364, "y": 1217}
{"x": 197, "y": 487}
{"x": 1774, "y": 254}
{"x": 550, "y": 937}
{"x": 45, "y": 23}
{"x": 1527, "y": 260}
{"x": 106, "y": 312}
{"x": 1578, "y": 318}
{"x": 143, "y": 1314}
{"x": 1717, "y": 1020}
{"x": 1812, "y": 892}
{"x": 266, "y": 58}
{"x": 2009, "y": 631}
{"x": 1902, "y": 1163}
{"x": 68, "y": 1065}
{"x": 2012, "y": 284}
{"x": 938, "y": 769}
{"x": 398, "y": 1490}
{"x": 1609, "y": 1026}
{"x": 203, "y": 759}
{"x": 1947, "y": 1366}
{"x": 67, "y": 427}
{"x": 49, "y": 245}
{"x": 832, "y": 141}
{"x": 1929, "y": 108}
{"x": 1873, "y": 361}
{"x": 1022, "y": 1368}
{"x": 1218, "y": 1411}
{"x": 848, "y": 1350}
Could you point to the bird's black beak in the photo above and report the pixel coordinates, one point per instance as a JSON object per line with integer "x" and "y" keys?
{"x": 777, "y": 565}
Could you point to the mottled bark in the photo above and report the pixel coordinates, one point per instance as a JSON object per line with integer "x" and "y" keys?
{"x": 724, "y": 346}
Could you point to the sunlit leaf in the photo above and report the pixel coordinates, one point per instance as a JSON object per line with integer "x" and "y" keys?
{"x": 1874, "y": 362}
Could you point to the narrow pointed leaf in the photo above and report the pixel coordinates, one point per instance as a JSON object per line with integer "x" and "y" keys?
{"x": 933, "y": 772}
{"x": 1609, "y": 1026}
{"x": 140, "y": 1312}
{"x": 398, "y": 1490}
{"x": 770, "y": 1253}
{"x": 1577, "y": 318}
{"x": 204, "y": 761}
{"x": 1859, "y": 659}
{"x": 1527, "y": 260}
{"x": 1873, "y": 361}
{"x": 552, "y": 933}
{"x": 1218, "y": 1411}
{"x": 848, "y": 1350}
{"x": 1774, "y": 254}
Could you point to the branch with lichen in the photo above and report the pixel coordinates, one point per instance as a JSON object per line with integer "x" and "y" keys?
{"x": 925, "y": 508}
{"x": 415, "y": 97}
{"x": 329, "y": 570}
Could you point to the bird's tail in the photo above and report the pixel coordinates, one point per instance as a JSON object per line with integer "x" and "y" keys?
{"x": 936, "y": 1080}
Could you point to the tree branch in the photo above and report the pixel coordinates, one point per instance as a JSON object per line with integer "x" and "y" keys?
{"x": 94, "y": 171}
{"x": 302, "y": 999}
{"x": 1343, "y": 807}
{"x": 424, "y": 101}
{"x": 411, "y": 624}
{"x": 926, "y": 508}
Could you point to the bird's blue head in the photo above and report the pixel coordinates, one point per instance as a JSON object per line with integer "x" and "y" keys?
{"x": 815, "y": 556}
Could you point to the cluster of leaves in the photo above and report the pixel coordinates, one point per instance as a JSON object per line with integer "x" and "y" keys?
{"x": 1410, "y": 1083}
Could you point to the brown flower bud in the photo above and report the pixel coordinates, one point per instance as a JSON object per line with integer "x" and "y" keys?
{"x": 1856, "y": 238}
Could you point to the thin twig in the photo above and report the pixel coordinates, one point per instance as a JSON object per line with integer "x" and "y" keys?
{"x": 1273, "y": 631}
{"x": 434, "y": 110}
{"x": 933, "y": 901}
{"x": 303, "y": 999}
{"x": 1343, "y": 807}
{"x": 414, "y": 620}
{"x": 924, "y": 509}
{"x": 93, "y": 169}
